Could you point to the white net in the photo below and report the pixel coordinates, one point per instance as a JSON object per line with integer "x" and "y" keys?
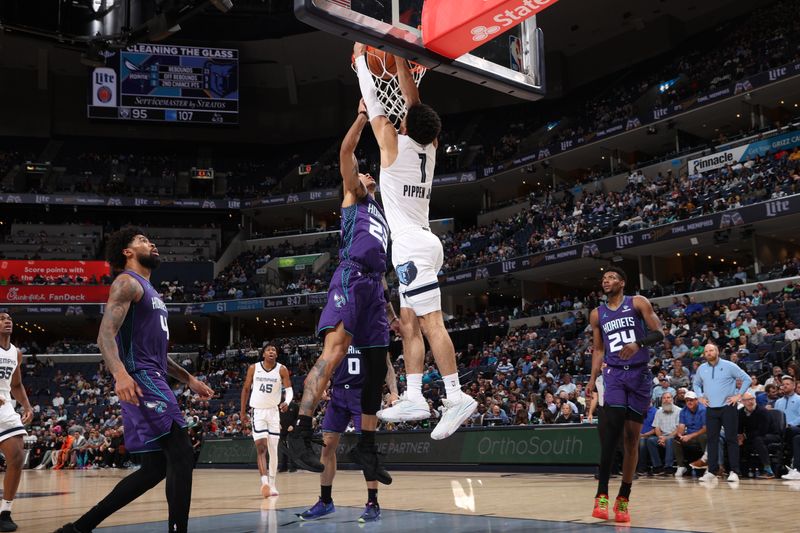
{"x": 388, "y": 87}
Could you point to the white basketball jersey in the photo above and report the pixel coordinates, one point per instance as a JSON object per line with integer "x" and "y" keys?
{"x": 8, "y": 363}
{"x": 406, "y": 185}
{"x": 267, "y": 387}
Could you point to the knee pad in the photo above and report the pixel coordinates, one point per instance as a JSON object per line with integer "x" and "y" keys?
{"x": 371, "y": 392}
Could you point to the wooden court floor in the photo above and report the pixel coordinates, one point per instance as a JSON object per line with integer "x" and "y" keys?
{"x": 543, "y": 502}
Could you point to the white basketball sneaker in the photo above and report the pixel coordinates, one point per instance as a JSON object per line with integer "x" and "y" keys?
{"x": 454, "y": 412}
{"x": 406, "y": 410}
{"x": 708, "y": 477}
{"x": 792, "y": 474}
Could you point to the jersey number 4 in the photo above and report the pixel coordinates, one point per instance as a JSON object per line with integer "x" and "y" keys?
{"x": 619, "y": 339}
{"x": 266, "y": 388}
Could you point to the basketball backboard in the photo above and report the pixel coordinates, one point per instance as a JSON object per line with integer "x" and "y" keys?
{"x": 511, "y": 62}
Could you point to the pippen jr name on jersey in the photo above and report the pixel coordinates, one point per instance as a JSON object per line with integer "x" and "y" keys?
{"x": 416, "y": 191}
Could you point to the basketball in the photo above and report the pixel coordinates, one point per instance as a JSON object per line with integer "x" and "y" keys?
{"x": 376, "y": 59}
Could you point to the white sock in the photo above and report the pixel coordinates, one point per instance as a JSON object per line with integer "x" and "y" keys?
{"x": 414, "y": 387}
{"x": 451, "y": 385}
{"x": 6, "y": 506}
{"x": 265, "y": 480}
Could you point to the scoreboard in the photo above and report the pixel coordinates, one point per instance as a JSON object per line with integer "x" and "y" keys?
{"x": 167, "y": 83}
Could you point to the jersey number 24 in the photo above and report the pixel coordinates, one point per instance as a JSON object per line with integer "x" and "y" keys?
{"x": 619, "y": 339}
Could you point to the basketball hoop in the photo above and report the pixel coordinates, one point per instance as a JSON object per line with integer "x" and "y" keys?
{"x": 387, "y": 86}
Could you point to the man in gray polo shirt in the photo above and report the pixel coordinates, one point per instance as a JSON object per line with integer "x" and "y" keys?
{"x": 665, "y": 425}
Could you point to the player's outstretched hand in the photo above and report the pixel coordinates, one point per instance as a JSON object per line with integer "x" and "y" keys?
{"x": 201, "y": 389}
{"x": 628, "y": 350}
{"x": 283, "y": 407}
{"x": 127, "y": 389}
{"x": 359, "y": 49}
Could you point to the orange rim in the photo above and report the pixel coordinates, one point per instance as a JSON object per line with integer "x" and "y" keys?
{"x": 415, "y": 67}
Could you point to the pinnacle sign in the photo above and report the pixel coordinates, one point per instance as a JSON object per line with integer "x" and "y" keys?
{"x": 453, "y": 29}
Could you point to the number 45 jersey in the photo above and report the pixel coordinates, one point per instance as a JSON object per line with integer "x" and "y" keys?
{"x": 620, "y": 327}
{"x": 267, "y": 387}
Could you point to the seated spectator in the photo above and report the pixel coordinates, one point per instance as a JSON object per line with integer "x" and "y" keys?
{"x": 566, "y": 415}
{"x": 691, "y": 432}
{"x": 665, "y": 426}
{"x": 693, "y": 307}
{"x": 659, "y": 390}
{"x": 678, "y": 376}
{"x": 754, "y": 433}
{"x": 680, "y": 348}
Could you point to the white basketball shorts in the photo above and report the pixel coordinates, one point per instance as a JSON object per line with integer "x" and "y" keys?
{"x": 417, "y": 256}
{"x": 266, "y": 422}
{"x": 10, "y": 421}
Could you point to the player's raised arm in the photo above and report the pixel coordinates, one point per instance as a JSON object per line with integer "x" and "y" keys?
{"x": 598, "y": 351}
{"x": 382, "y": 127}
{"x": 348, "y": 164}
{"x": 124, "y": 291}
{"x": 408, "y": 88}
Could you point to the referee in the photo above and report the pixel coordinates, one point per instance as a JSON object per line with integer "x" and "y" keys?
{"x": 715, "y": 386}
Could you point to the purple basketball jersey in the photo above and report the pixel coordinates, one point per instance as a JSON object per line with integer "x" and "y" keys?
{"x": 620, "y": 327}
{"x": 365, "y": 234}
{"x": 144, "y": 336}
{"x": 350, "y": 370}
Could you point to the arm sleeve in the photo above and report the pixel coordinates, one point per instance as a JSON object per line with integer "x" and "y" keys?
{"x": 368, "y": 92}
{"x": 289, "y": 395}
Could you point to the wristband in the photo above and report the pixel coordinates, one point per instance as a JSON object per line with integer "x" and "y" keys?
{"x": 651, "y": 338}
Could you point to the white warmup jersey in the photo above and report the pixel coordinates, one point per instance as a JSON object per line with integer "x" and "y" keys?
{"x": 10, "y": 422}
{"x": 265, "y": 397}
{"x": 417, "y": 253}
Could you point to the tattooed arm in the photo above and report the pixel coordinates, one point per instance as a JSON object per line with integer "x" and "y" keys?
{"x": 315, "y": 384}
{"x": 124, "y": 291}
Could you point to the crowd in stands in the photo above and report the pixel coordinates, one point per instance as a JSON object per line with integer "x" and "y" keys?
{"x": 734, "y": 51}
{"x": 556, "y": 222}
{"x": 731, "y": 52}
{"x": 527, "y": 375}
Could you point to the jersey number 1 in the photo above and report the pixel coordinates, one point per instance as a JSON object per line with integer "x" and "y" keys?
{"x": 423, "y": 160}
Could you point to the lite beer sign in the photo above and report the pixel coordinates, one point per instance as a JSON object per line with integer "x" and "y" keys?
{"x": 104, "y": 87}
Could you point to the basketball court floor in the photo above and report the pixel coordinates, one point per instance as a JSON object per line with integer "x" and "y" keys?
{"x": 229, "y": 501}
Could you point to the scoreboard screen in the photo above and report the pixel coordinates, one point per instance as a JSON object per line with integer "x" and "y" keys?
{"x": 167, "y": 83}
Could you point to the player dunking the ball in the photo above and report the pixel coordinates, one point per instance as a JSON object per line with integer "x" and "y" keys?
{"x": 357, "y": 314}
{"x": 344, "y": 406}
{"x": 263, "y": 387}
{"x": 133, "y": 339}
{"x": 11, "y": 425}
{"x": 408, "y": 159}
{"x": 621, "y": 337}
